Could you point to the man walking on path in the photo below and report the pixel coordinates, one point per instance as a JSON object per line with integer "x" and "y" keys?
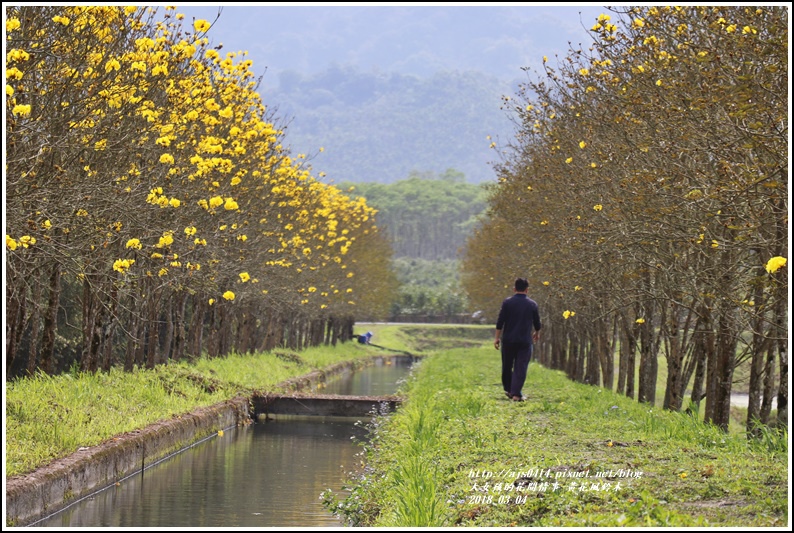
{"x": 514, "y": 332}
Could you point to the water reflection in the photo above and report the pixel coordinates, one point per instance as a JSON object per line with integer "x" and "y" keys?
{"x": 262, "y": 475}
{"x": 267, "y": 474}
{"x": 382, "y": 378}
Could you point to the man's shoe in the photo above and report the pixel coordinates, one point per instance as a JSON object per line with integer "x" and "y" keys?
{"x": 517, "y": 399}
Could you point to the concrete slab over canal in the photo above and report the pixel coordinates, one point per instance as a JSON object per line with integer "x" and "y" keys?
{"x": 49, "y": 489}
{"x": 322, "y": 404}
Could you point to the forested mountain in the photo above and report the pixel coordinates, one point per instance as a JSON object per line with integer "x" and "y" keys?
{"x": 389, "y": 89}
{"x": 419, "y": 39}
{"x": 377, "y": 127}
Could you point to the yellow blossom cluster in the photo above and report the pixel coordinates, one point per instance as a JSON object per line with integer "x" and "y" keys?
{"x": 121, "y": 265}
{"x": 775, "y": 264}
{"x": 177, "y": 141}
{"x": 24, "y": 242}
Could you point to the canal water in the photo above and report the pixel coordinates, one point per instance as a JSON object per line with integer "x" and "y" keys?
{"x": 267, "y": 474}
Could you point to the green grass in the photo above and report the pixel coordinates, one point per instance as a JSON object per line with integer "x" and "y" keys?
{"x": 427, "y": 338}
{"x": 740, "y": 384}
{"x": 49, "y": 417}
{"x": 456, "y": 423}
{"x": 741, "y": 375}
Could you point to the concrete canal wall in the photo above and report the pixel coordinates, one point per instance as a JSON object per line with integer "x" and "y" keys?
{"x": 47, "y": 490}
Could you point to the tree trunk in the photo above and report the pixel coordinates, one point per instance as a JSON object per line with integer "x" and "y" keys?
{"x": 726, "y": 361}
{"x": 225, "y": 331}
{"x": 329, "y": 332}
{"x": 769, "y": 385}
{"x": 782, "y": 393}
{"x": 212, "y": 332}
{"x": 605, "y": 356}
{"x": 761, "y": 343}
{"x": 35, "y": 328}
{"x": 630, "y": 338}
{"x": 91, "y": 336}
{"x": 559, "y": 357}
{"x": 622, "y": 363}
{"x": 575, "y": 350}
{"x": 15, "y": 326}
{"x": 270, "y": 333}
{"x": 167, "y": 344}
{"x": 712, "y": 372}
{"x": 649, "y": 365}
{"x": 336, "y": 330}
{"x": 109, "y": 329}
{"x": 152, "y": 329}
{"x": 133, "y": 341}
{"x": 673, "y": 397}
{"x": 141, "y": 328}
{"x": 51, "y": 321}
{"x": 196, "y": 328}
{"x": 782, "y": 312}
{"x": 701, "y": 360}
{"x": 689, "y": 349}
{"x": 96, "y": 337}
{"x": 593, "y": 374}
{"x": 179, "y": 327}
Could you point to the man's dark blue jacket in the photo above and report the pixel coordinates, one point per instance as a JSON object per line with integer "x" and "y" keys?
{"x": 518, "y": 315}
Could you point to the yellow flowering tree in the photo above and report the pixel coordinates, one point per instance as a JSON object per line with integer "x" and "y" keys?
{"x": 74, "y": 100}
{"x": 147, "y": 173}
{"x": 649, "y": 171}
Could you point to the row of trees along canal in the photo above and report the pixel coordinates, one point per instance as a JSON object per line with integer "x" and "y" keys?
{"x": 153, "y": 209}
{"x": 646, "y": 197}
{"x": 646, "y": 183}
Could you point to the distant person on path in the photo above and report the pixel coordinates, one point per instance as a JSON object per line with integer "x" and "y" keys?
{"x": 518, "y": 316}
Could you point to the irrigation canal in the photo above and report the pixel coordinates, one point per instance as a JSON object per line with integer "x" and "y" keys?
{"x": 267, "y": 474}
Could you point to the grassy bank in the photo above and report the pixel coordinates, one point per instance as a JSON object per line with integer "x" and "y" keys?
{"x": 429, "y": 463}
{"x": 49, "y": 417}
{"x": 458, "y": 453}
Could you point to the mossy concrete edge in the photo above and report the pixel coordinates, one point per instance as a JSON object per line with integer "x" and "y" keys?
{"x": 32, "y": 496}
{"x": 49, "y": 489}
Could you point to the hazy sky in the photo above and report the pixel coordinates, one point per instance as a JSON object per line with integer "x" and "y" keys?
{"x": 497, "y": 38}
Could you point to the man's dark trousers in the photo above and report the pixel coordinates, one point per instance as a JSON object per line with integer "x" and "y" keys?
{"x": 515, "y": 360}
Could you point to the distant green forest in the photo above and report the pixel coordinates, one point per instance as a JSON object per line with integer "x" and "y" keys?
{"x": 377, "y": 127}
{"x": 427, "y": 218}
{"x": 381, "y": 136}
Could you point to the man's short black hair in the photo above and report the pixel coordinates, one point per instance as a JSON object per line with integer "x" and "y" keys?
{"x": 521, "y": 284}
